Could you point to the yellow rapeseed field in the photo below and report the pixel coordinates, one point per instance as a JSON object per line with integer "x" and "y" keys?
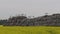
{"x": 29, "y": 30}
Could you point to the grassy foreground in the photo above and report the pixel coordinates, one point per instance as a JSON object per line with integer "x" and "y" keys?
{"x": 29, "y": 30}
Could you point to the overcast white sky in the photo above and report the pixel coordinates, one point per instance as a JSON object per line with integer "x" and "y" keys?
{"x": 30, "y": 7}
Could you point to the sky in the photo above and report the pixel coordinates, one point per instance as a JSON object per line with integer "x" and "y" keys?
{"x": 29, "y": 7}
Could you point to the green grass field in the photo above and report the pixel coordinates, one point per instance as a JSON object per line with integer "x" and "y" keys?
{"x": 29, "y": 30}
